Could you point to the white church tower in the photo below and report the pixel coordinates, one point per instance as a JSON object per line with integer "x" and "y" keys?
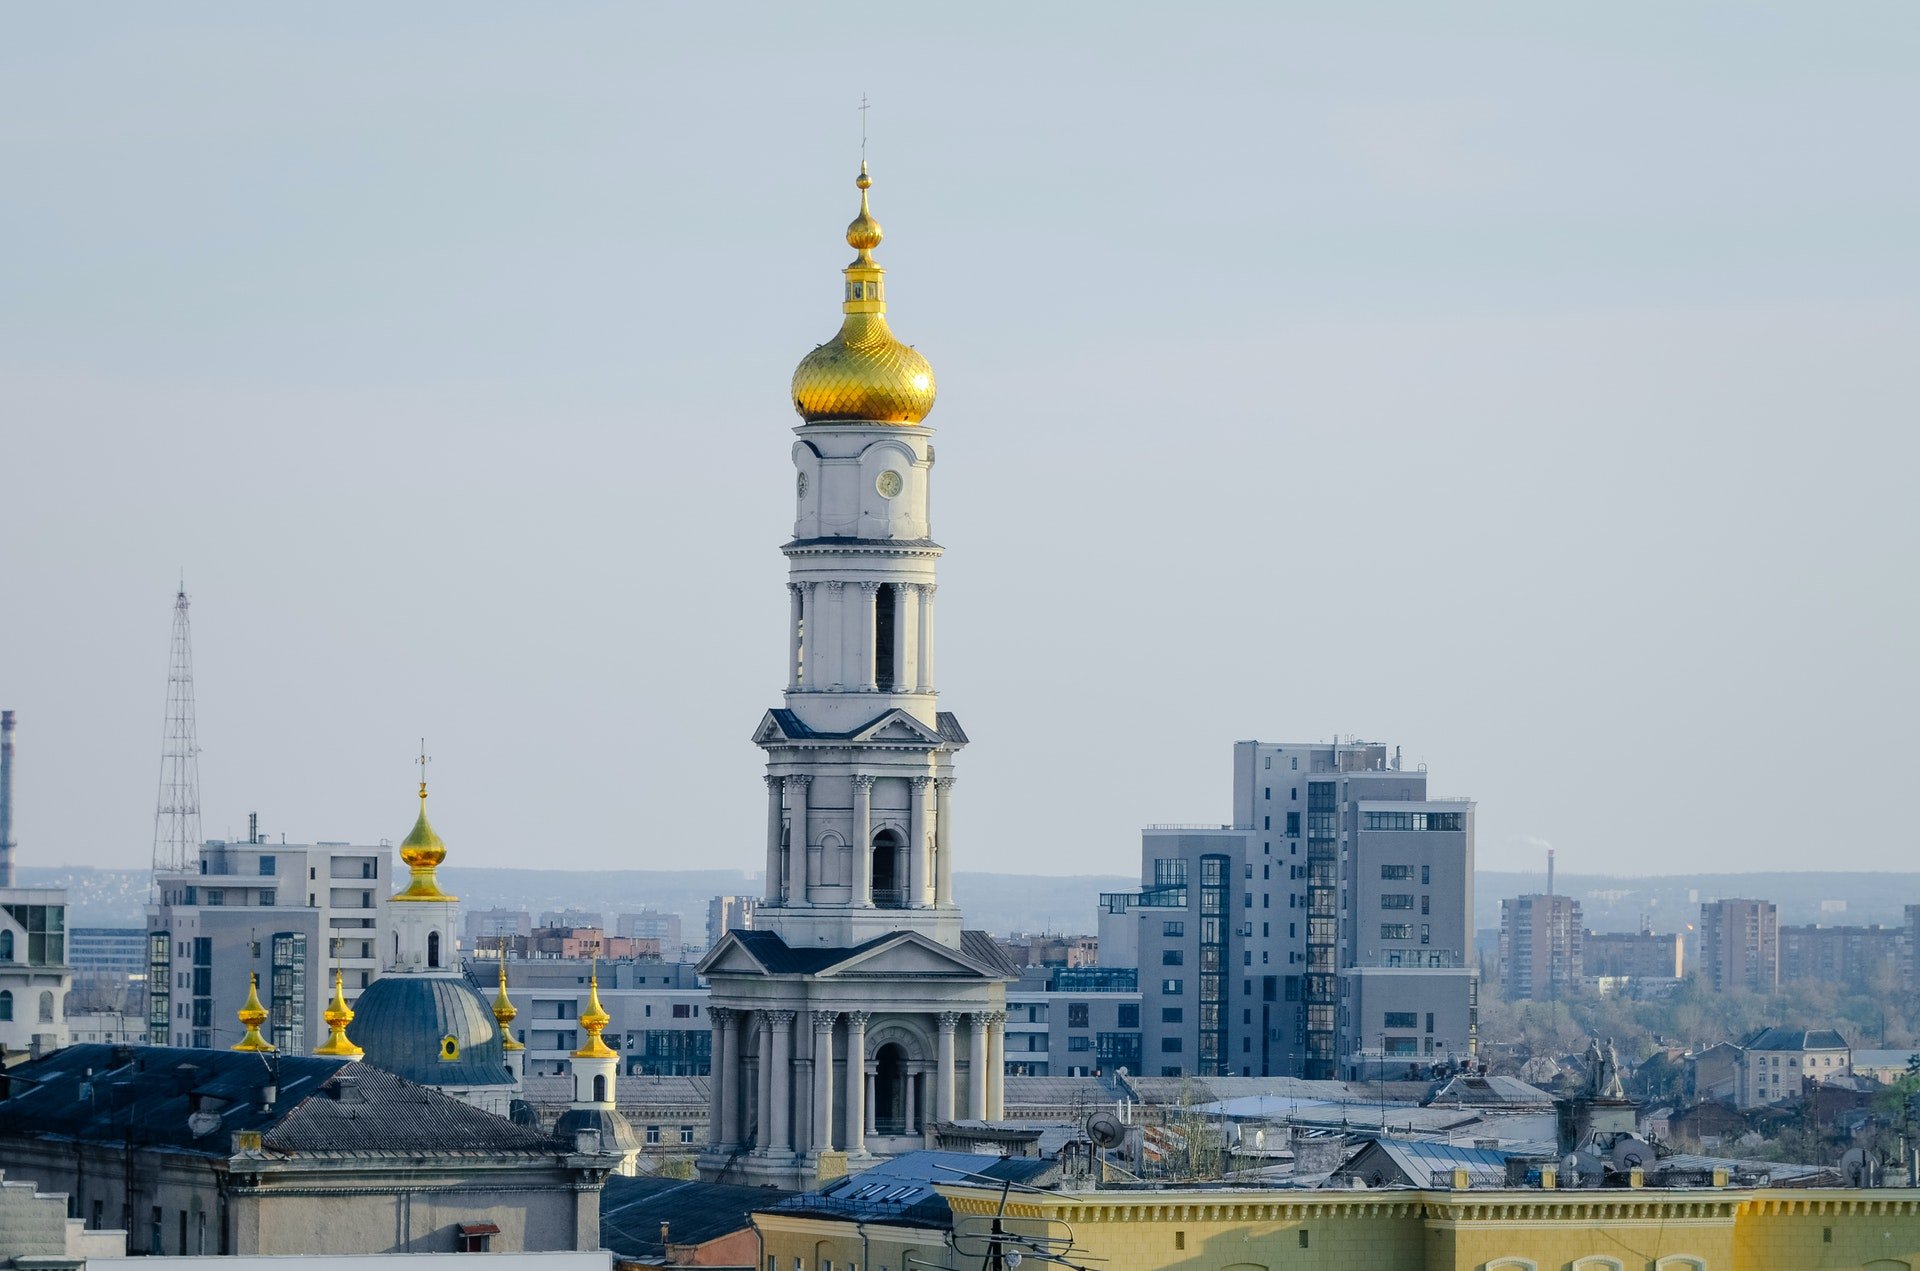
{"x": 857, "y": 1012}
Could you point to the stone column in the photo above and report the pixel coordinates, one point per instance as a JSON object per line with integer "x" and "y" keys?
{"x": 814, "y": 644}
{"x": 943, "y": 843}
{"x": 906, "y": 630}
{"x": 823, "y": 1080}
{"x": 774, "y": 826}
{"x": 797, "y": 840}
{"x": 873, "y": 1079}
{"x": 943, "y": 1078}
{"x": 863, "y": 841}
{"x": 913, "y": 1102}
{"x": 869, "y": 637}
{"x": 836, "y": 675}
{"x": 797, "y": 623}
{"x": 762, "y": 1134}
{"x": 977, "y": 1065}
{"x": 925, "y": 668}
{"x": 720, "y": 1020}
{"x": 856, "y": 1117}
{"x": 996, "y": 1065}
{"x": 733, "y": 1091}
{"x": 917, "y": 842}
{"x": 781, "y": 1029}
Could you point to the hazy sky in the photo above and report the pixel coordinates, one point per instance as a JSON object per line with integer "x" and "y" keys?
{"x": 1531, "y": 386}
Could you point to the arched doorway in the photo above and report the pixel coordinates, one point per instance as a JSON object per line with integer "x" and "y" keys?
{"x": 890, "y": 1111}
{"x": 889, "y": 889}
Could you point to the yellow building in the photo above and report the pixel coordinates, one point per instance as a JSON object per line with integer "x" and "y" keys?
{"x": 1642, "y": 1229}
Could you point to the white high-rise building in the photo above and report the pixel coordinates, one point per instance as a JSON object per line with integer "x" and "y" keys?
{"x": 857, "y": 1011}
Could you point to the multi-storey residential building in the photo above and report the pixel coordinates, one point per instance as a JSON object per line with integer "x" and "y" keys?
{"x": 1540, "y": 947}
{"x": 1073, "y": 1022}
{"x": 1774, "y": 1063}
{"x": 653, "y": 924}
{"x": 286, "y": 911}
{"x": 113, "y": 952}
{"x": 1298, "y": 940}
{"x": 659, "y": 1012}
{"x": 1842, "y": 955}
{"x": 1634, "y": 955}
{"x": 489, "y": 926}
{"x": 35, "y": 977}
{"x": 1739, "y": 945}
{"x": 728, "y": 913}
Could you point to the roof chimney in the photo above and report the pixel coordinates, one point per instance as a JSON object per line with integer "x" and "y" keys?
{"x": 6, "y": 798}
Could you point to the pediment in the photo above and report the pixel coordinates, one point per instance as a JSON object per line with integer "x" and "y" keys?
{"x": 909, "y": 954}
{"x": 730, "y": 956}
{"x": 898, "y": 726}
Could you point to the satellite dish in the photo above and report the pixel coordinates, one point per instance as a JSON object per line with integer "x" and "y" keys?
{"x": 1105, "y": 1130}
{"x": 1011, "y": 1259}
{"x": 205, "y": 1123}
{"x": 1259, "y": 1139}
{"x": 1631, "y": 1153}
{"x": 1857, "y": 1168}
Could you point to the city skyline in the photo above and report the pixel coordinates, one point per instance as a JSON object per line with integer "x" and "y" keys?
{"x": 451, "y": 372}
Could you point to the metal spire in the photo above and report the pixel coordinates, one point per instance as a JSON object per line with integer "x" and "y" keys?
{"x": 176, "y": 815}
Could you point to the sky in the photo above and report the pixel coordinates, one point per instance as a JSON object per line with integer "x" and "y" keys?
{"x": 1528, "y": 386}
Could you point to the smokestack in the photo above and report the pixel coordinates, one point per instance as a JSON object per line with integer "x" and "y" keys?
{"x": 6, "y": 798}
{"x": 1549, "y": 871}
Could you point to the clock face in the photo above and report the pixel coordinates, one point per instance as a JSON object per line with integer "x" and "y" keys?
{"x": 888, "y": 484}
{"x": 801, "y": 485}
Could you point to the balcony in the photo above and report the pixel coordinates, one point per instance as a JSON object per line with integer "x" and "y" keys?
{"x": 890, "y": 898}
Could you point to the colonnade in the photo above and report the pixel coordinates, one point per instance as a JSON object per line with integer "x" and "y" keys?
{"x": 833, "y": 645}
{"x": 924, "y": 874}
{"x": 780, "y": 1096}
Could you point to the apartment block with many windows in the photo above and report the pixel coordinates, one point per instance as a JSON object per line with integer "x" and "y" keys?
{"x": 1293, "y": 941}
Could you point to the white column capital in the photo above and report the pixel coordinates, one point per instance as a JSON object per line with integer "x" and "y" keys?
{"x": 823, "y": 1021}
{"x": 835, "y": 584}
{"x": 921, "y": 783}
{"x": 949, "y": 1021}
{"x": 944, "y": 783}
{"x": 782, "y": 1019}
{"x": 863, "y": 781}
{"x": 858, "y": 1019}
{"x": 722, "y": 1016}
{"x": 801, "y": 780}
{"x": 871, "y": 588}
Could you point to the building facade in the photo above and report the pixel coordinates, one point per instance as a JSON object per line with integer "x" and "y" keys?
{"x": 1860, "y": 957}
{"x": 35, "y": 975}
{"x": 1540, "y": 947}
{"x": 858, "y": 1009}
{"x": 1775, "y": 1063}
{"x": 1074, "y": 1022}
{"x": 1739, "y": 945}
{"x": 286, "y": 912}
{"x": 658, "y": 1013}
{"x": 728, "y": 913}
{"x": 1633, "y": 955}
{"x": 1338, "y": 860}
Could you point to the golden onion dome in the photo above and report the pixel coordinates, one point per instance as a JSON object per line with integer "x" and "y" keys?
{"x": 338, "y": 1015}
{"x": 423, "y": 851}
{"x": 594, "y": 1019}
{"x": 251, "y": 1016}
{"x": 864, "y": 374}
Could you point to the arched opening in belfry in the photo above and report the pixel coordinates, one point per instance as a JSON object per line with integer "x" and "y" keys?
{"x": 889, "y": 889}
{"x": 777, "y": 888}
{"x": 885, "y": 627}
{"x": 599, "y": 1087}
{"x": 433, "y": 948}
{"x": 890, "y": 1090}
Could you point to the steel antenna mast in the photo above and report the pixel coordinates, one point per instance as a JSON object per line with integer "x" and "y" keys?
{"x": 176, "y": 813}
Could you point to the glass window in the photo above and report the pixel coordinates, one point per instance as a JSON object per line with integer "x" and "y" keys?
{"x": 1396, "y": 931}
{"x": 1171, "y": 1045}
{"x": 267, "y": 866}
{"x": 1173, "y": 928}
{"x": 1172, "y": 957}
{"x": 1173, "y": 988}
{"x": 1076, "y": 1015}
{"x": 1173, "y": 1014}
{"x": 1402, "y": 1019}
{"x": 1128, "y": 1015}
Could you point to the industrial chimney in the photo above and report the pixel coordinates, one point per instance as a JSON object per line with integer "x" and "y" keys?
{"x": 1550, "y": 872}
{"x": 6, "y": 798}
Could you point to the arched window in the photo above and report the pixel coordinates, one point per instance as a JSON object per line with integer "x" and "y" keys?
{"x": 6, "y": 946}
{"x": 884, "y": 629}
{"x": 46, "y": 1006}
{"x": 889, "y": 888}
{"x": 433, "y": 948}
{"x": 6, "y": 1004}
{"x": 600, "y": 1087}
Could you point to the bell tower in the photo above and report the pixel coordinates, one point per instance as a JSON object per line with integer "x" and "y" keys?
{"x": 858, "y": 1011}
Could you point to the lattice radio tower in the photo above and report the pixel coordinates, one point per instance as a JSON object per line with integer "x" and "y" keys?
{"x": 176, "y": 813}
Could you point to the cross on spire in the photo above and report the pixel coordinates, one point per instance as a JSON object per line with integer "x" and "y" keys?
{"x": 423, "y": 761}
{"x": 863, "y": 132}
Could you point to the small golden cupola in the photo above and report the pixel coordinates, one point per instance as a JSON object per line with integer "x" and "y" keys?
{"x": 252, "y": 1015}
{"x": 504, "y": 1010}
{"x": 864, "y": 374}
{"x": 594, "y": 1019}
{"x": 338, "y": 1015}
{"x": 423, "y": 851}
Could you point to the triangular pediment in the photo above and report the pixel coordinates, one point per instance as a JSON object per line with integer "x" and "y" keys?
{"x": 730, "y": 955}
{"x": 907, "y": 954}
{"x": 897, "y": 725}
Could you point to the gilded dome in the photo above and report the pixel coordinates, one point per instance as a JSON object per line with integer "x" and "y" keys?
{"x": 423, "y": 851}
{"x": 864, "y": 373}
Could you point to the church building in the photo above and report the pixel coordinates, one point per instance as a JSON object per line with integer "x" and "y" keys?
{"x": 858, "y": 1011}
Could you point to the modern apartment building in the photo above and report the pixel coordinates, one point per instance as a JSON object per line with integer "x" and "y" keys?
{"x": 288, "y": 912}
{"x": 1073, "y": 1021}
{"x": 1634, "y": 955}
{"x": 1540, "y": 947}
{"x": 35, "y": 976}
{"x": 729, "y": 913}
{"x": 1842, "y": 955}
{"x": 1315, "y": 936}
{"x": 1739, "y": 945}
{"x": 659, "y": 1027}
